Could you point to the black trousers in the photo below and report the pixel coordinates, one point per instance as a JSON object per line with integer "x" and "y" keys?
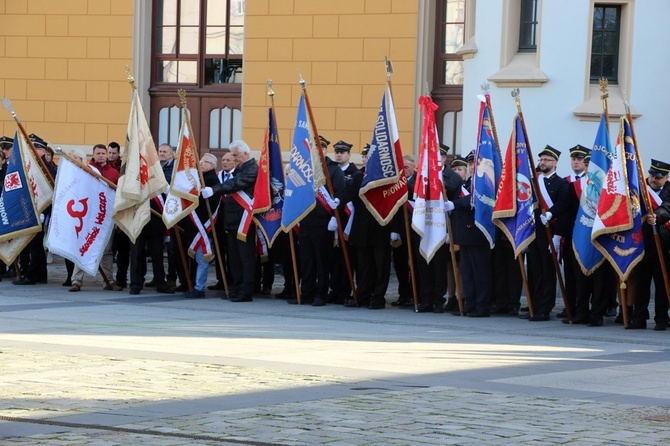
{"x": 315, "y": 257}
{"x": 432, "y": 276}
{"x": 541, "y": 275}
{"x": 650, "y": 268}
{"x": 121, "y": 248}
{"x": 374, "y": 269}
{"x": 596, "y": 290}
{"x": 402, "y": 271}
{"x": 477, "y": 278}
{"x": 507, "y": 280}
{"x": 152, "y": 240}
{"x": 242, "y": 263}
{"x": 37, "y": 267}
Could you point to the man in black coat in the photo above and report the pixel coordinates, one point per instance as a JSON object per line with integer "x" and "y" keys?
{"x": 241, "y": 253}
{"x": 650, "y": 268}
{"x": 541, "y": 270}
{"x": 316, "y": 240}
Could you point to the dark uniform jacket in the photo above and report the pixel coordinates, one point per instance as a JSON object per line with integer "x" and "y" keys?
{"x": 244, "y": 180}
{"x": 558, "y": 189}
{"x": 365, "y": 230}
{"x": 466, "y": 233}
{"x": 319, "y": 216}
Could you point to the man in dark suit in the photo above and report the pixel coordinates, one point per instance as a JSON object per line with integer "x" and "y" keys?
{"x": 241, "y": 253}
{"x": 541, "y": 272}
{"x": 650, "y": 268}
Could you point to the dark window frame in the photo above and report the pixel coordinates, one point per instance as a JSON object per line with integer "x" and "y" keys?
{"x": 528, "y": 25}
{"x": 601, "y": 36}
{"x": 205, "y": 65}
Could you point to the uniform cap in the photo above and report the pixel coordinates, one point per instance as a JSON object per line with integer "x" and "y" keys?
{"x": 6, "y": 142}
{"x": 659, "y": 169}
{"x": 341, "y": 146}
{"x": 579, "y": 151}
{"x": 459, "y": 161}
{"x": 550, "y": 151}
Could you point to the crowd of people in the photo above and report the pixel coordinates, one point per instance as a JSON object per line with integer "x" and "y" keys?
{"x": 489, "y": 280}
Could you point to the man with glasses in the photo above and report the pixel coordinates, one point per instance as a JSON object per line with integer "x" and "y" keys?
{"x": 541, "y": 271}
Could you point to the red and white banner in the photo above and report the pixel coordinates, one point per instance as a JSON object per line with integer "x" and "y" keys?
{"x": 185, "y": 182}
{"x": 81, "y": 217}
{"x": 429, "y": 219}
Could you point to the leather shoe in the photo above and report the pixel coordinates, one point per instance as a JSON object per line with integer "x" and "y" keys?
{"x": 135, "y": 291}
{"x": 577, "y": 321}
{"x": 595, "y": 323}
{"x": 244, "y": 298}
{"x": 354, "y": 304}
{"x": 68, "y": 282}
{"x": 452, "y": 304}
{"x": 479, "y": 314}
{"x": 401, "y": 303}
{"x": 562, "y": 314}
{"x": 439, "y": 309}
{"x": 195, "y": 294}
{"x": 24, "y": 281}
{"x": 539, "y": 318}
{"x": 181, "y": 288}
{"x": 318, "y": 302}
{"x": 637, "y": 325}
{"x": 524, "y": 315}
{"x": 376, "y": 305}
{"x": 425, "y": 308}
{"x": 661, "y": 326}
{"x": 150, "y": 284}
{"x": 112, "y": 287}
{"x": 74, "y": 288}
{"x": 458, "y": 313}
{"x": 164, "y": 289}
{"x": 216, "y": 286}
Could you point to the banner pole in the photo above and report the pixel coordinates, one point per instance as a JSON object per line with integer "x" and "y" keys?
{"x": 536, "y": 185}
{"x": 329, "y": 184}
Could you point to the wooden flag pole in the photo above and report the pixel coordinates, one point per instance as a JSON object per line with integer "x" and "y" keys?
{"x": 568, "y": 312}
{"x": 182, "y": 97}
{"x": 410, "y": 253}
{"x": 487, "y": 94}
{"x": 647, "y": 203}
{"x": 329, "y": 184}
{"x": 296, "y": 278}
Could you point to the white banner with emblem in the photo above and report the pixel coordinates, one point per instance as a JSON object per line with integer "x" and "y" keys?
{"x": 81, "y": 217}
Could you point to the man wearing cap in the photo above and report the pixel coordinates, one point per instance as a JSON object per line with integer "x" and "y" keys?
{"x": 316, "y": 239}
{"x": 649, "y": 268}
{"x": 339, "y": 279}
{"x": 444, "y": 149}
{"x": 554, "y": 199}
{"x": 364, "y": 155}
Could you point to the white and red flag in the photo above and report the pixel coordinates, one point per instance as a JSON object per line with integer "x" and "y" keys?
{"x": 141, "y": 176}
{"x": 429, "y": 219}
{"x": 81, "y": 217}
{"x": 185, "y": 183}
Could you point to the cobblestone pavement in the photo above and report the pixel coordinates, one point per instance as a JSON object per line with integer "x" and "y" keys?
{"x": 106, "y": 368}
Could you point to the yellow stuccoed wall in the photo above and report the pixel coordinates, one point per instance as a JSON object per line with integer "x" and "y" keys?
{"x": 62, "y": 64}
{"x": 339, "y": 46}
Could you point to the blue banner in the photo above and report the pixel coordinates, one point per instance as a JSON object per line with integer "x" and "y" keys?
{"x": 17, "y": 208}
{"x": 270, "y": 221}
{"x": 299, "y": 195}
{"x": 513, "y": 211}
{"x": 624, "y": 249}
{"x": 486, "y": 176}
{"x": 587, "y": 254}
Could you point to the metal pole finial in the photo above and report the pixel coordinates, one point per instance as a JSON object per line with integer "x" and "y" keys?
{"x": 303, "y": 84}
{"x": 131, "y": 79}
{"x": 486, "y": 88}
{"x": 389, "y": 67}
{"x": 271, "y": 92}
{"x": 603, "y": 87}
{"x": 182, "y": 96}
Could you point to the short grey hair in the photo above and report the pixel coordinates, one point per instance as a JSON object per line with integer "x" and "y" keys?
{"x": 211, "y": 158}
{"x": 241, "y": 147}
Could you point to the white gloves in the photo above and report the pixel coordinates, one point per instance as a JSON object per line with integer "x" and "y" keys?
{"x": 332, "y": 202}
{"x": 41, "y": 218}
{"x": 332, "y": 224}
{"x": 395, "y": 236}
{"x": 207, "y": 192}
{"x": 448, "y": 206}
{"x": 544, "y": 218}
{"x": 556, "y": 241}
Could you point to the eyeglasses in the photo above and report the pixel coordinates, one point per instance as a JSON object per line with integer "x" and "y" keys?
{"x": 546, "y": 160}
